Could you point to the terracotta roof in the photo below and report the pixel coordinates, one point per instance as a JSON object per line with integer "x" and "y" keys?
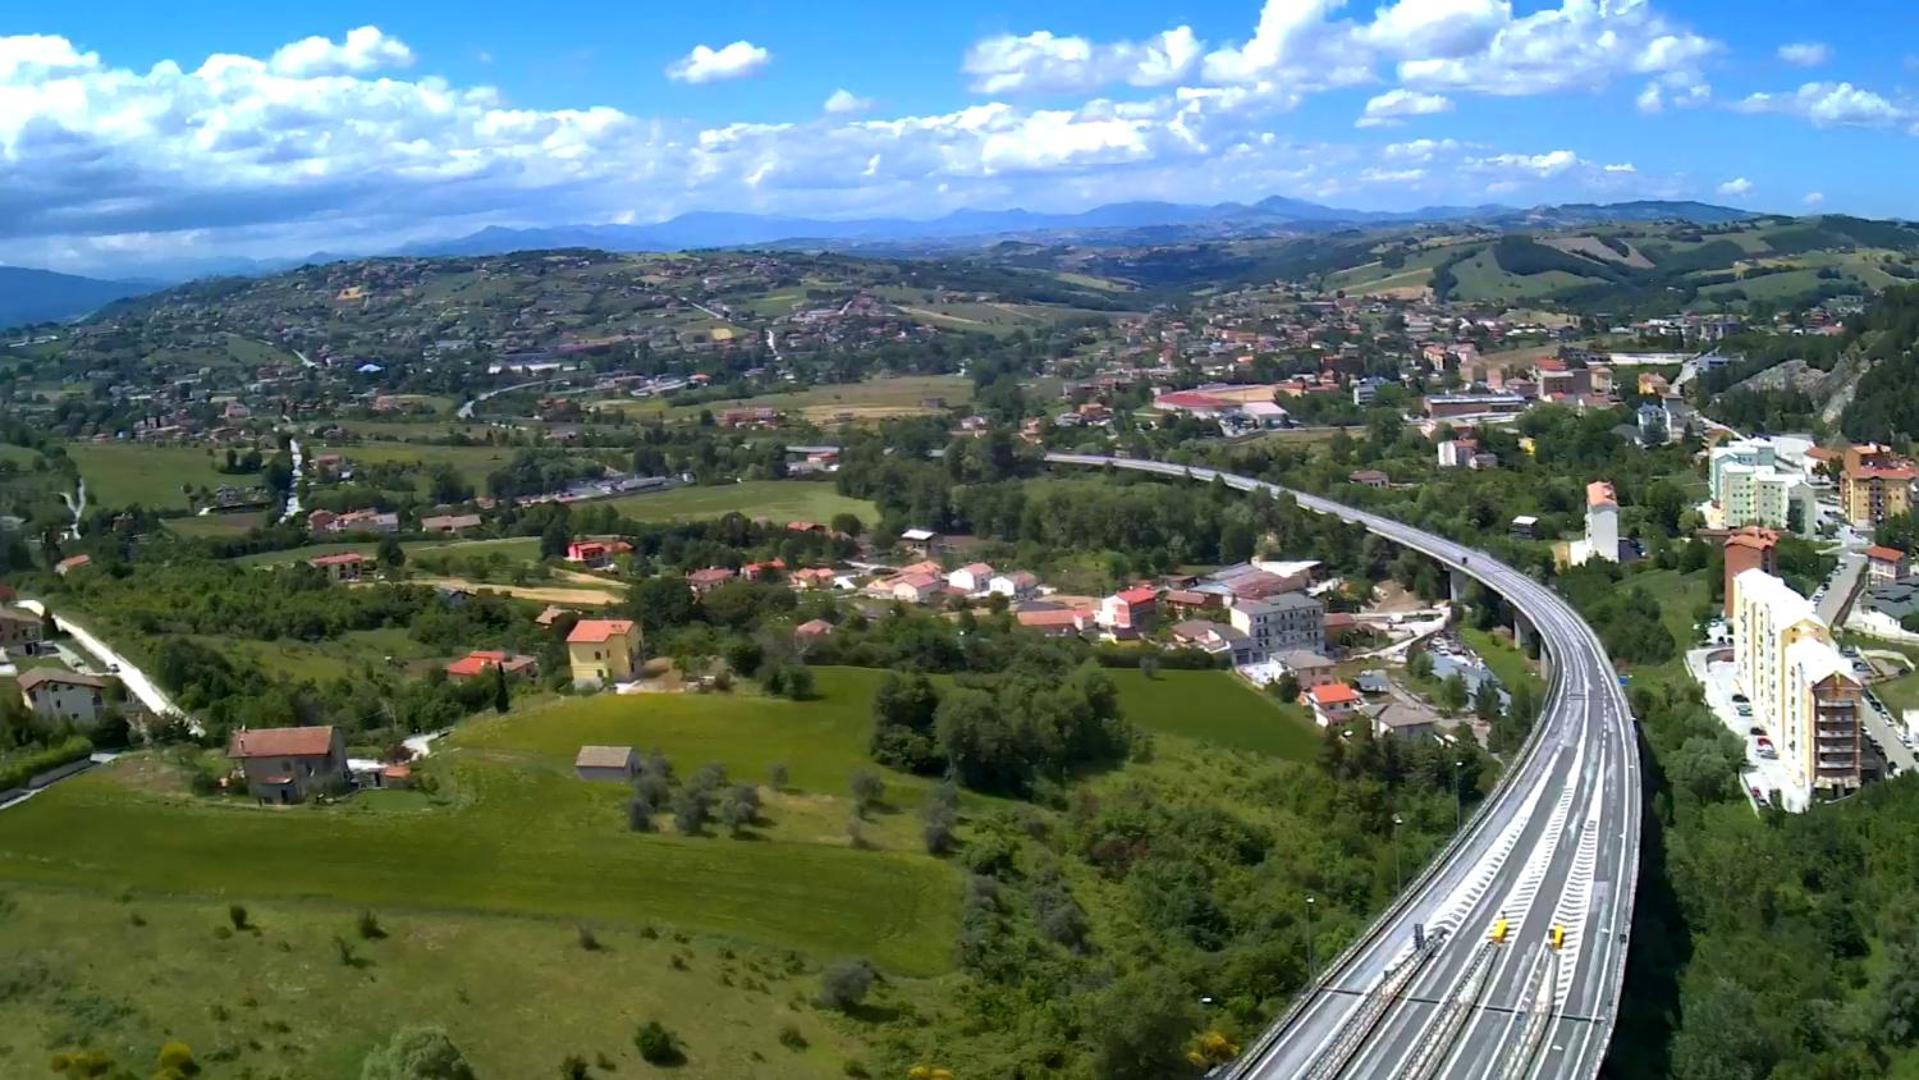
{"x": 1600, "y": 493}
{"x": 1334, "y": 694}
{"x": 1880, "y": 553}
{"x": 344, "y": 558}
{"x": 33, "y": 677}
{"x": 281, "y": 742}
{"x": 588, "y": 631}
{"x": 1139, "y": 595}
{"x": 814, "y": 628}
{"x": 1753, "y": 537}
{"x": 603, "y": 757}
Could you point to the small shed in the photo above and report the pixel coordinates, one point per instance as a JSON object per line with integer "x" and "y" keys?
{"x": 609, "y": 763}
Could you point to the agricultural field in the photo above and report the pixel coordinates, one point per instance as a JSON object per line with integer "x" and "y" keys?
{"x": 472, "y": 462}
{"x": 778, "y": 500}
{"x": 511, "y": 548}
{"x": 122, "y": 474}
{"x": 501, "y": 903}
{"x": 217, "y": 526}
{"x": 870, "y": 400}
{"x": 322, "y": 661}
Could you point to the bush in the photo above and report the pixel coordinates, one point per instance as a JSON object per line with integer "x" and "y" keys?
{"x": 176, "y": 1059}
{"x": 792, "y": 1038}
{"x": 657, "y": 1045}
{"x": 237, "y": 915}
{"x": 370, "y": 928}
{"x": 18, "y": 771}
{"x": 417, "y": 1053}
{"x": 846, "y": 984}
{"x": 588, "y": 940}
{"x": 573, "y": 1067}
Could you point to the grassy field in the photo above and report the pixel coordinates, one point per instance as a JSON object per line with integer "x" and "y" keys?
{"x": 511, "y": 548}
{"x": 472, "y": 462}
{"x": 518, "y": 834}
{"x": 326, "y": 660}
{"x": 479, "y": 890}
{"x": 871, "y": 399}
{"x": 121, "y": 474}
{"x": 778, "y": 500}
{"x": 516, "y": 994}
{"x": 217, "y": 526}
{"x": 1217, "y": 708}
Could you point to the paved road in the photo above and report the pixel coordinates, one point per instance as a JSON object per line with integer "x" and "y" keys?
{"x": 129, "y": 674}
{"x": 1836, "y": 601}
{"x": 1555, "y": 845}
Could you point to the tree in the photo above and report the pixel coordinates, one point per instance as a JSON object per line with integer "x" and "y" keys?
{"x": 939, "y": 814}
{"x": 1149, "y": 665}
{"x": 661, "y": 603}
{"x": 555, "y": 539}
{"x": 845, "y": 985}
{"x": 502, "y": 694}
{"x": 49, "y": 629}
{"x": 848, "y": 524}
{"x": 417, "y": 1053}
{"x": 392, "y": 556}
{"x": 692, "y": 809}
{"x": 1139, "y": 1030}
{"x": 868, "y": 790}
{"x": 1486, "y": 701}
{"x": 657, "y": 1045}
{"x": 739, "y": 807}
{"x": 1452, "y": 692}
{"x": 776, "y": 776}
{"x": 639, "y": 814}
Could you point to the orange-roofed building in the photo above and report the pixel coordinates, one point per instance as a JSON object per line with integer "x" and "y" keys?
{"x": 1332, "y": 703}
{"x": 285, "y": 765}
{"x": 1885, "y": 565}
{"x": 476, "y": 663}
{"x": 345, "y": 566}
{"x": 1750, "y": 548}
{"x": 603, "y": 651}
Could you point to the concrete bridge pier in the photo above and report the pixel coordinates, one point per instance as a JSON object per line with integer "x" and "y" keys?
{"x": 1459, "y": 580}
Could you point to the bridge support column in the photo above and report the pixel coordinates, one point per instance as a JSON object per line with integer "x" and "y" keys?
{"x": 1460, "y": 579}
{"x": 1524, "y": 635}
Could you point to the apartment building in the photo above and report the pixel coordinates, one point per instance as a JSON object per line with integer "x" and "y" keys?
{"x": 1875, "y": 485}
{"x": 1763, "y": 495}
{"x": 1803, "y": 691}
{"x": 1751, "y": 548}
{"x": 1602, "y": 525}
{"x": 1280, "y": 624}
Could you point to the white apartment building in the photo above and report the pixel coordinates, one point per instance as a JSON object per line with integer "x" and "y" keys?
{"x": 1802, "y": 690}
{"x": 1764, "y": 495}
{"x": 1602, "y": 525}
{"x": 1750, "y": 453}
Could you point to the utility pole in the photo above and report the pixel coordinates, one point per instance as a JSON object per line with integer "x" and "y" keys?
{"x": 1399, "y": 878}
{"x": 1459, "y": 798}
{"x": 1312, "y": 964}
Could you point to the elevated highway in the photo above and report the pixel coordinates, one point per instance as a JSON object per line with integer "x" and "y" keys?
{"x": 1550, "y": 859}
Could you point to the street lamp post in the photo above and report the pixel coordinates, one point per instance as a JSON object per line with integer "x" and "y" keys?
{"x": 1459, "y": 798}
{"x": 1399, "y": 878}
{"x": 1312, "y": 963}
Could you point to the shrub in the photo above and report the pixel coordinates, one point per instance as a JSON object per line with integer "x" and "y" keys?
{"x": 657, "y": 1045}
{"x": 573, "y": 1067}
{"x": 417, "y": 1053}
{"x": 846, "y": 984}
{"x": 237, "y": 915}
{"x": 588, "y": 941}
{"x": 370, "y": 928}
{"x": 792, "y": 1038}
{"x": 176, "y": 1059}
{"x": 17, "y": 771}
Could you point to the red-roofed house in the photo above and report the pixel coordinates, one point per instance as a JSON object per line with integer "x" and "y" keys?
{"x": 913, "y": 588}
{"x": 1129, "y": 610}
{"x": 603, "y": 651}
{"x": 812, "y": 577}
{"x": 813, "y": 630}
{"x": 345, "y": 566}
{"x": 285, "y": 765}
{"x": 763, "y": 571}
{"x": 1332, "y": 703}
{"x": 477, "y": 662}
{"x": 1885, "y": 565}
{"x": 1054, "y": 622}
{"x": 710, "y": 578}
{"x": 597, "y": 554}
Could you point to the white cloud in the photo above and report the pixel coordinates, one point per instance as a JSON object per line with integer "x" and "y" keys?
{"x": 1420, "y": 150}
{"x": 1044, "y": 62}
{"x": 1735, "y": 187}
{"x": 1814, "y": 198}
{"x": 1805, "y": 53}
{"x": 239, "y": 154}
{"x": 1621, "y": 167}
{"x": 1581, "y": 45}
{"x": 844, "y": 102}
{"x": 1392, "y": 107}
{"x": 705, "y": 64}
{"x": 1827, "y": 104}
{"x": 362, "y": 50}
{"x": 1549, "y": 164}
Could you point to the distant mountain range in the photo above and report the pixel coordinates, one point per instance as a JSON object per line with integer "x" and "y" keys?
{"x": 1114, "y": 223}
{"x": 39, "y": 295}
{"x": 32, "y": 296}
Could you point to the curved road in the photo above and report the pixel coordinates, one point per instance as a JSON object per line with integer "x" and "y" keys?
{"x": 1554, "y": 850}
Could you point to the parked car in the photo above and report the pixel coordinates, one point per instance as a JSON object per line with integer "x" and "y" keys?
{"x": 1756, "y": 731}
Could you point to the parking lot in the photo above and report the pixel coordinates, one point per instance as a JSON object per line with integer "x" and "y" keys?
{"x": 1773, "y": 777}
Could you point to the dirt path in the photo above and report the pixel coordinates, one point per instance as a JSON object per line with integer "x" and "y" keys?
{"x": 545, "y": 594}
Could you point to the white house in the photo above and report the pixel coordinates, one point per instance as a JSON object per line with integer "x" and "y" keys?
{"x": 971, "y": 578}
{"x": 1017, "y": 585}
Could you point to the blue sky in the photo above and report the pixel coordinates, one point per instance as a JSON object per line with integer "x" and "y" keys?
{"x": 133, "y": 131}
